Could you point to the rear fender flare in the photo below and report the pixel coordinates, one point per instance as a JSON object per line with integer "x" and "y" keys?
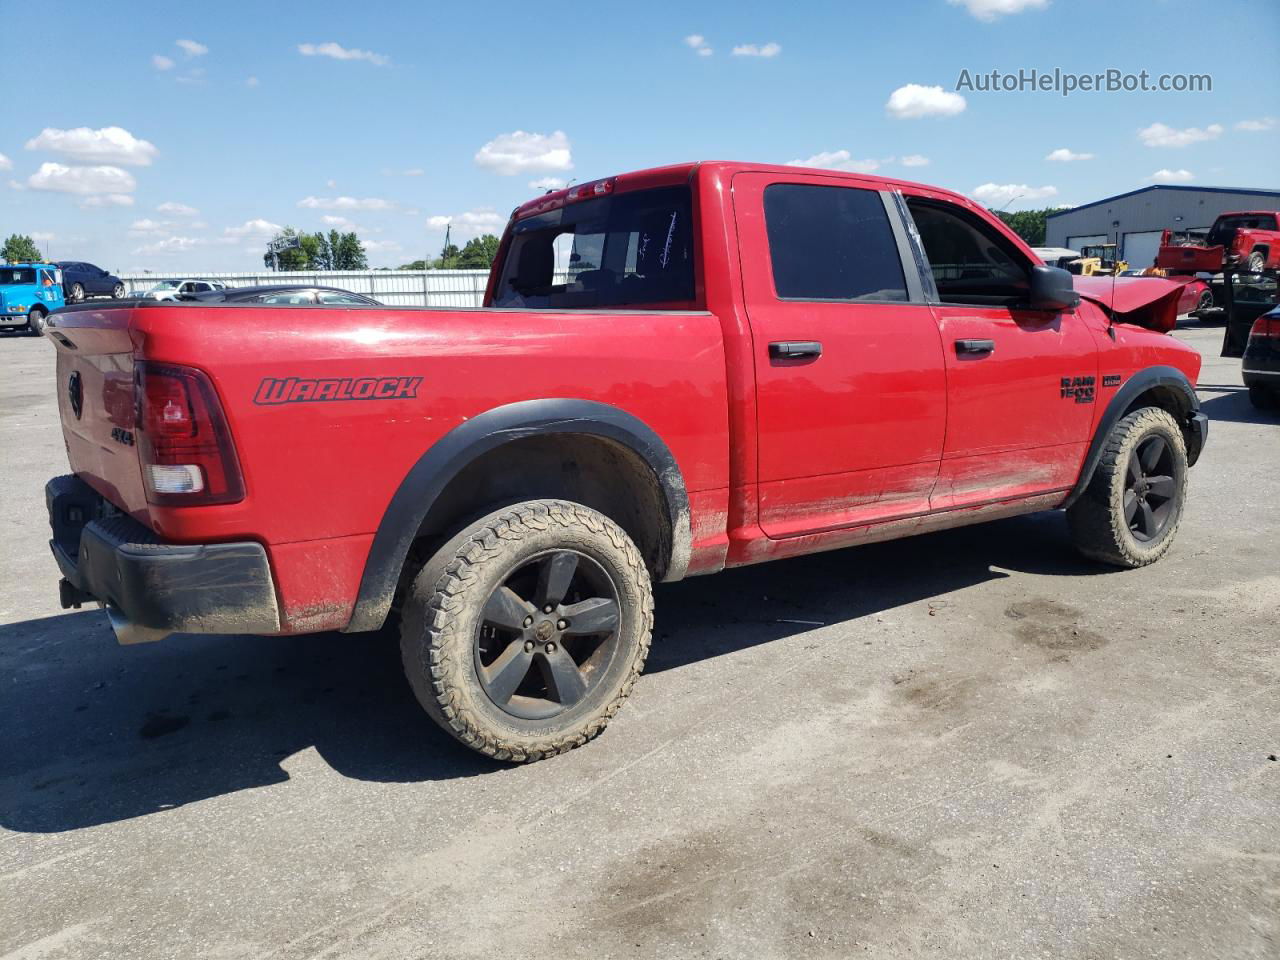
{"x": 1138, "y": 384}
{"x": 433, "y": 471}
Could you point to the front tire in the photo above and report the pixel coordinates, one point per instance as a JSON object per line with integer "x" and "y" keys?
{"x": 1256, "y": 262}
{"x": 35, "y": 321}
{"x": 1128, "y": 514}
{"x": 524, "y": 634}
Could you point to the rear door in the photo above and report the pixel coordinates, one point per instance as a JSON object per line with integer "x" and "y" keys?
{"x": 851, "y": 393}
{"x": 1021, "y": 383}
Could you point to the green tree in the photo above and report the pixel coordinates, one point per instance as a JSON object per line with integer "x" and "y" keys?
{"x": 415, "y": 265}
{"x": 1028, "y": 224}
{"x": 349, "y": 253}
{"x": 448, "y": 259}
{"x": 478, "y": 254}
{"x": 20, "y": 248}
{"x": 323, "y": 259}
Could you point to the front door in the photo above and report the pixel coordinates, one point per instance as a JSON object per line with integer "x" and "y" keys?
{"x": 850, "y": 386}
{"x": 1021, "y": 383}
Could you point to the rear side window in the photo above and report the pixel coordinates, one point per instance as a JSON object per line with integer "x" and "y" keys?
{"x": 618, "y": 250}
{"x": 831, "y": 243}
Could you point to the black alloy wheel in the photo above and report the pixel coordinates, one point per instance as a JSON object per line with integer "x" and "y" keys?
{"x": 1150, "y": 489}
{"x": 546, "y": 634}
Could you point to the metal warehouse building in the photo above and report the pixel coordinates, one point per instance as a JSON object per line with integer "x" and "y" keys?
{"x": 1134, "y": 220}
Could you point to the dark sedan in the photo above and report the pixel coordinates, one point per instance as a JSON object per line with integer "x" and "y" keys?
{"x": 288, "y": 295}
{"x": 82, "y": 280}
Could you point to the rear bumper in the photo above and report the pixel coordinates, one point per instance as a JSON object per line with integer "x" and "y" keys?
{"x": 153, "y": 588}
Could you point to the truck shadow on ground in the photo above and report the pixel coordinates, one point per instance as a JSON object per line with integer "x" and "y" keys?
{"x": 92, "y": 733}
{"x": 1233, "y": 405}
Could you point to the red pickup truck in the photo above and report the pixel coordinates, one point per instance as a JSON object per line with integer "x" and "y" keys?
{"x": 675, "y": 371}
{"x": 1247, "y": 240}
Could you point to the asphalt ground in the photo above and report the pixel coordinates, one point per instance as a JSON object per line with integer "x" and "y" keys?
{"x": 967, "y": 744}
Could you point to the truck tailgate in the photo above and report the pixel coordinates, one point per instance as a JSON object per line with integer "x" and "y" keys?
{"x": 95, "y": 382}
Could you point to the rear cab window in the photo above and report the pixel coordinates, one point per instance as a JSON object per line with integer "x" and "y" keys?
{"x": 631, "y": 249}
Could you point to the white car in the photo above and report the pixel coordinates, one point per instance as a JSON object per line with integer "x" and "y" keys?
{"x": 171, "y": 289}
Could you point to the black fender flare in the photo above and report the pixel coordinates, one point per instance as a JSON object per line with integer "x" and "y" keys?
{"x": 1195, "y": 425}
{"x": 460, "y": 446}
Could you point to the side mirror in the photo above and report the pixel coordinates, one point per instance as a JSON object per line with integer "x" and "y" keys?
{"x": 1051, "y": 289}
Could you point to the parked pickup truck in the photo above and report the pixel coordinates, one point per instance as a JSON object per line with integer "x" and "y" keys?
{"x": 674, "y": 372}
{"x": 1247, "y": 240}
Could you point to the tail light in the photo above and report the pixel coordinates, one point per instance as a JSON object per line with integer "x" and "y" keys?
{"x": 1266, "y": 327}
{"x": 185, "y": 448}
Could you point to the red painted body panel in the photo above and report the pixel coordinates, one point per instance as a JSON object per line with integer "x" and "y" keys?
{"x": 886, "y": 434}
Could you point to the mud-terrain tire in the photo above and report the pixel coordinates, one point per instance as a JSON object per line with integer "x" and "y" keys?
{"x": 477, "y": 615}
{"x": 1130, "y": 511}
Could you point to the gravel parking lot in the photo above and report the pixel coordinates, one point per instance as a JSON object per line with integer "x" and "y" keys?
{"x": 968, "y": 744}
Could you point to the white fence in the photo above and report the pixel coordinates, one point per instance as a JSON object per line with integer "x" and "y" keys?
{"x": 401, "y": 288}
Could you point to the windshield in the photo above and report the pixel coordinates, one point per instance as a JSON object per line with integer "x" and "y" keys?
{"x": 164, "y": 285}
{"x": 14, "y": 275}
{"x": 629, "y": 249}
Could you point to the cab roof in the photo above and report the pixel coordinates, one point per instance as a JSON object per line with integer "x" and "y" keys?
{"x": 683, "y": 172}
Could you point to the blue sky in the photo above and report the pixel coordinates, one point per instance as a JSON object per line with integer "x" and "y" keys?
{"x": 174, "y": 137}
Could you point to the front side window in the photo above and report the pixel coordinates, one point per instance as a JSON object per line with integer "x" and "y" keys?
{"x": 618, "y": 250}
{"x": 970, "y": 262}
{"x": 831, "y": 243}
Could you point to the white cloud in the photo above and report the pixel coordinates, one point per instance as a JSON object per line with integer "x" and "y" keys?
{"x": 5, "y": 162}
{"x": 382, "y": 246}
{"x": 342, "y": 53}
{"x": 751, "y": 50}
{"x": 107, "y": 200}
{"x": 547, "y": 183}
{"x": 988, "y": 10}
{"x": 174, "y": 244}
{"x": 836, "y": 160}
{"x": 257, "y": 227}
{"x": 470, "y": 224}
{"x": 251, "y": 81}
{"x": 191, "y": 48}
{"x": 177, "y": 209}
{"x": 1256, "y": 126}
{"x": 1000, "y": 195}
{"x": 1063, "y": 155}
{"x": 1160, "y": 135}
{"x": 147, "y": 225}
{"x": 85, "y": 146}
{"x": 520, "y": 152}
{"x": 345, "y": 203}
{"x": 42, "y": 237}
{"x": 161, "y": 62}
{"x": 699, "y": 44}
{"x": 915, "y": 160}
{"x": 913, "y": 100}
{"x": 82, "y": 180}
{"x": 1172, "y": 176}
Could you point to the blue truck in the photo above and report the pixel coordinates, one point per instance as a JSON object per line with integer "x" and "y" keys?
{"x": 29, "y": 292}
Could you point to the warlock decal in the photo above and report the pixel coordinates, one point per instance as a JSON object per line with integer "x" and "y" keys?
{"x": 304, "y": 390}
